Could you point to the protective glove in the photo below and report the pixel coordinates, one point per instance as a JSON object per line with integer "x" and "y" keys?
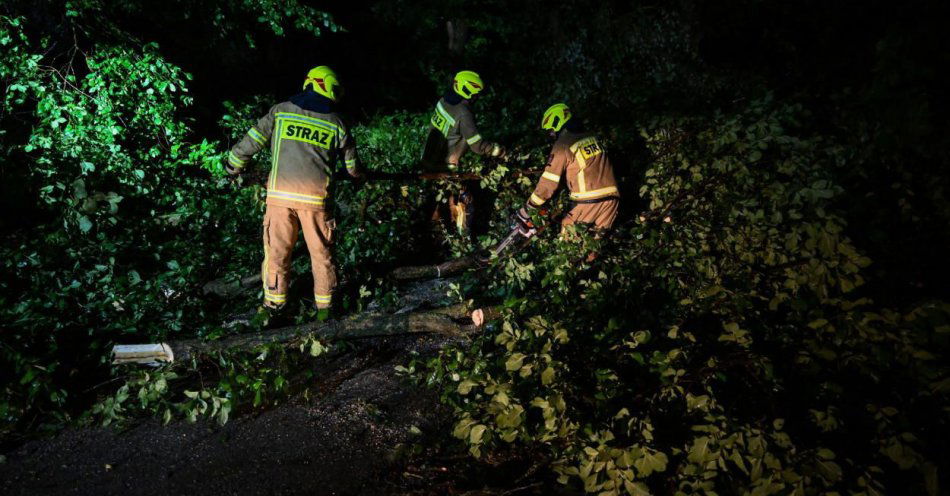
{"x": 231, "y": 170}
{"x": 499, "y": 151}
{"x": 360, "y": 177}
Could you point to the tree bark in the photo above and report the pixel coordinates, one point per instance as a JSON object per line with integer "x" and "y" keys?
{"x": 451, "y": 321}
{"x": 226, "y": 287}
{"x": 445, "y": 269}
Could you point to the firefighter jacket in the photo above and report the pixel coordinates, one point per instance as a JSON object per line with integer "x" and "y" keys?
{"x": 307, "y": 142}
{"x": 581, "y": 158}
{"x": 453, "y": 133}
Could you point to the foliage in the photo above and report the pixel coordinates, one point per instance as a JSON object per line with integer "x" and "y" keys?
{"x": 229, "y": 18}
{"x": 732, "y": 335}
{"x": 255, "y": 378}
{"x": 111, "y": 155}
{"x": 130, "y": 225}
{"x": 722, "y": 352}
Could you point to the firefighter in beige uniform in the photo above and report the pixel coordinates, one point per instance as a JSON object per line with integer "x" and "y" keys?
{"x": 582, "y": 161}
{"x": 308, "y": 141}
{"x": 452, "y": 134}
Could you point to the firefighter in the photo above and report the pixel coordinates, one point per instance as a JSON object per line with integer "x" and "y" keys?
{"x": 308, "y": 140}
{"x": 453, "y": 133}
{"x": 579, "y": 158}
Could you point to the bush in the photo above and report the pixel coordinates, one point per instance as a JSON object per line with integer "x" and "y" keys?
{"x": 725, "y": 351}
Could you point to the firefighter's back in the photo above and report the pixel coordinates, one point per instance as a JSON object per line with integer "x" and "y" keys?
{"x": 307, "y": 147}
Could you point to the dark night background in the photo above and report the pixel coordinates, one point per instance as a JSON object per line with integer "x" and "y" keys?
{"x": 800, "y": 147}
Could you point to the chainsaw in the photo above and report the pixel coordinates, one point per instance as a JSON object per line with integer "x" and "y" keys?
{"x": 522, "y": 230}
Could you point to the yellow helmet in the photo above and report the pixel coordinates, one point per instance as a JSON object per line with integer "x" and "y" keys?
{"x": 555, "y": 117}
{"x": 323, "y": 80}
{"x": 467, "y": 84}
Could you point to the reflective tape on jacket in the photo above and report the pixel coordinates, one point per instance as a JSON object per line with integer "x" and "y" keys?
{"x": 536, "y": 200}
{"x": 442, "y": 120}
{"x": 235, "y": 162}
{"x": 474, "y": 139}
{"x": 310, "y": 130}
{"x": 257, "y": 136}
{"x": 583, "y": 151}
{"x": 550, "y": 176}
{"x": 297, "y": 197}
{"x": 313, "y": 121}
{"x": 597, "y": 193}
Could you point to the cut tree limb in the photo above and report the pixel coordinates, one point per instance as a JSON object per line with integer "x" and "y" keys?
{"x": 445, "y": 269}
{"x": 146, "y": 354}
{"x": 226, "y": 287}
{"x": 450, "y": 321}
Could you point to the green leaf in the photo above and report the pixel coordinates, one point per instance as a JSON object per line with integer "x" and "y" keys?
{"x": 547, "y": 376}
{"x": 829, "y": 470}
{"x": 514, "y": 362}
{"x": 636, "y": 488}
{"x": 316, "y": 348}
{"x": 465, "y": 386}
{"x": 85, "y": 224}
{"x": 694, "y": 402}
{"x": 699, "y": 452}
{"x": 463, "y": 428}
{"x": 815, "y": 324}
{"x": 650, "y": 462}
{"x": 224, "y": 413}
{"x": 475, "y": 436}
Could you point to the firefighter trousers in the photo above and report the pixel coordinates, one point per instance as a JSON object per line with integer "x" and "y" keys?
{"x": 601, "y": 214}
{"x": 281, "y": 226}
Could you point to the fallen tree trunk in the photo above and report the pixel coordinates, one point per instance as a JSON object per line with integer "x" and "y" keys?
{"x": 363, "y": 326}
{"x": 226, "y": 287}
{"x": 445, "y": 269}
{"x": 453, "y": 321}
